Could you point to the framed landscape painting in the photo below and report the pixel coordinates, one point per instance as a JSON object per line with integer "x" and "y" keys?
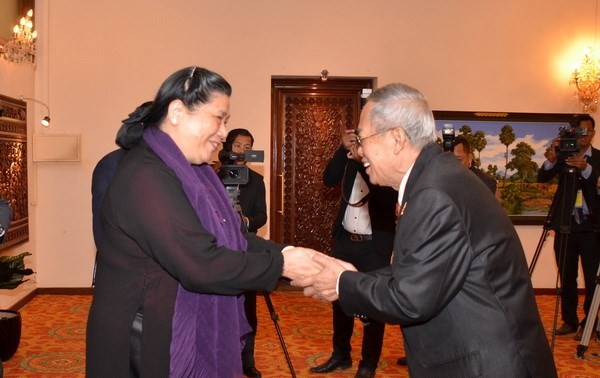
{"x": 510, "y": 147}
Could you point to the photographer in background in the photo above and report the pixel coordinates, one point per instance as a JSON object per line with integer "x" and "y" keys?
{"x": 464, "y": 153}
{"x": 574, "y": 216}
{"x": 254, "y": 215}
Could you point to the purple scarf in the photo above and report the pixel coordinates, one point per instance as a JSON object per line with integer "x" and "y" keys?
{"x": 207, "y": 329}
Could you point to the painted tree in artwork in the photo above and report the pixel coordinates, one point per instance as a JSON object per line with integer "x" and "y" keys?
{"x": 478, "y": 143}
{"x": 522, "y": 162}
{"x": 507, "y": 137}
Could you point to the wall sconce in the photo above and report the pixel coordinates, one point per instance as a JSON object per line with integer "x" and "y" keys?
{"x": 21, "y": 48}
{"x": 586, "y": 79}
{"x": 46, "y": 120}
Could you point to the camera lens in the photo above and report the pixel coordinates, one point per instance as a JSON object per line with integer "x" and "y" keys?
{"x": 233, "y": 174}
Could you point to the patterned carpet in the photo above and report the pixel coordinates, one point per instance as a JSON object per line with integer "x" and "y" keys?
{"x": 53, "y": 340}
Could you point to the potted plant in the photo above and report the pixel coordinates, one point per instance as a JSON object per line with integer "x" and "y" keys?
{"x": 12, "y": 271}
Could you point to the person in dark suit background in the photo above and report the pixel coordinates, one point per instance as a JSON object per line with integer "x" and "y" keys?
{"x": 363, "y": 233}
{"x": 458, "y": 284}
{"x": 574, "y": 217}
{"x": 101, "y": 176}
{"x": 252, "y": 202}
{"x": 462, "y": 150}
{"x": 5, "y": 218}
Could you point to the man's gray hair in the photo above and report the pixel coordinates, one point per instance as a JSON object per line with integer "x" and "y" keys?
{"x": 399, "y": 105}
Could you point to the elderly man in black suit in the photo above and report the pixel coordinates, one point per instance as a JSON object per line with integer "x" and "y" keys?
{"x": 458, "y": 283}
{"x": 363, "y": 235}
{"x": 574, "y": 217}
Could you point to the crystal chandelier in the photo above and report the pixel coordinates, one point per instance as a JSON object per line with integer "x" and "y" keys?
{"x": 21, "y": 48}
{"x": 586, "y": 79}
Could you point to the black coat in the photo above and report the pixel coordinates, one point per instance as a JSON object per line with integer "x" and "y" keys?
{"x": 382, "y": 200}
{"x": 153, "y": 241}
{"x": 568, "y": 185}
{"x": 458, "y": 283}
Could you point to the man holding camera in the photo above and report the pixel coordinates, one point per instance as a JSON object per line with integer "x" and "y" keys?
{"x": 574, "y": 216}
{"x": 363, "y": 236}
{"x": 252, "y": 202}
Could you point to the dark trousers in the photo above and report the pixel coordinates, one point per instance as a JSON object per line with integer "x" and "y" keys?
{"x": 364, "y": 257}
{"x": 250, "y": 309}
{"x": 568, "y": 249}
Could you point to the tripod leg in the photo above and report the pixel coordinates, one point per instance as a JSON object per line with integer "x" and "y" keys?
{"x": 538, "y": 250}
{"x": 275, "y": 318}
{"x": 589, "y": 325}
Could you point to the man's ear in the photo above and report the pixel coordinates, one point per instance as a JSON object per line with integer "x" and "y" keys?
{"x": 400, "y": 139}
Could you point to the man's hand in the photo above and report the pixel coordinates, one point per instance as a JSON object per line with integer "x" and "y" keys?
{"x": 348, "y": 138}
{"x": 577, "y": 162}
{"x": 551, "y": 152}
{"x": 298, "y": 263}
{"x": 323, "y": 284}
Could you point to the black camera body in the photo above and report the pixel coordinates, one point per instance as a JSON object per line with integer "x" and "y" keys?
{"x": 569, "y": 141}
{"x": 234, "y": 174}
{"x": 448, "y": 137}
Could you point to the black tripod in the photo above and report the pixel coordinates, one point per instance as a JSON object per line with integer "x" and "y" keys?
{"x": 589, "y": 325}
{"x": 559, "y": 218}
{"x": 275, "y": 319}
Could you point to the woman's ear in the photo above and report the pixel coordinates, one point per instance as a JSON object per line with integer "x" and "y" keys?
{"x": 175, "y": 112}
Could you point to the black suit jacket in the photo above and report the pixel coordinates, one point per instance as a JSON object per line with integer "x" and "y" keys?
{"x": 568, "y": 185}
{"x": 252, "y": 200}
{"x": 103, "y": 173}
{"x": 382, "y": 200}
{"x": 458, "y": 283}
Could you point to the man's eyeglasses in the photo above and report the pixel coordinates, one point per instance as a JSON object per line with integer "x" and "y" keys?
{"x": 359, "y": 140}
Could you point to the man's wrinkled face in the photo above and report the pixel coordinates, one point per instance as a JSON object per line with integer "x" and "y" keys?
{"x": 374, "y": 150}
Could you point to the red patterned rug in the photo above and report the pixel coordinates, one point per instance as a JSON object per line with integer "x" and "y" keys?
{"x": 53, "y": 340}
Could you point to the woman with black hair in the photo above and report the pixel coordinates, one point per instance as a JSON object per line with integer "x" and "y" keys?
{"x": 173, "y": 259}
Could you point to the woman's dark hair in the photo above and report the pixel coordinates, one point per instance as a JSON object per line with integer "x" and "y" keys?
{"x": 234, "y": 134}
{"x": 191, "y": 85}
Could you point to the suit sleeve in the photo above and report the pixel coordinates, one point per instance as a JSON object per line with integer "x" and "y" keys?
{"x": 431, "y": 262}
{"x": 545, "y": 175}
{"x": 334, "y": 171}
{"x": 160, "y": 220}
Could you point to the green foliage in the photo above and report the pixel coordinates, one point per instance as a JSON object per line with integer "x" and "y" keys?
{"x": 12, "y": 270}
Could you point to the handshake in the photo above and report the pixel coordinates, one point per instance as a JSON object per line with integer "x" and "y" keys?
{"x": 314, "y": 271}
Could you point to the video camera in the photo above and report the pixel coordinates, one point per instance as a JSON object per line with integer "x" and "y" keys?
{"x": 569, "y": 141}
{"x": 234, "y": 174}
{"x": 448, "y": 137}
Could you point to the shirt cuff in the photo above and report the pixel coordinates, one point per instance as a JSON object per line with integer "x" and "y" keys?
{"x": 337, "y": 284}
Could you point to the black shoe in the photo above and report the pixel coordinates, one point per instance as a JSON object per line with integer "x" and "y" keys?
{"x": 401, "y": 361}
{"x": 565, "y": 329}
{"x": 330, "y": 365}
{"x": 252, "y": 372}
{"x": 364, "y": 373}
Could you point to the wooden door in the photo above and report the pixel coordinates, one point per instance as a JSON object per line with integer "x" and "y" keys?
{"x": 308, "y": 116}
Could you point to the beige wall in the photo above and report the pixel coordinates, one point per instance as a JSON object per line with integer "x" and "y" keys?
{"x": 100, "y": 59}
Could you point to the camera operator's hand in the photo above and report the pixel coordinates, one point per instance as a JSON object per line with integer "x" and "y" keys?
{"x": 551, "y": 154}
{"x": 348, "y": 138}
{"x": 577, "y": 162}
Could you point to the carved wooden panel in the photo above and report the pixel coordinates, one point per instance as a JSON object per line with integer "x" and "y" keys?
{"x": 306, "y": 132}
{"x": 13, "y": 168}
